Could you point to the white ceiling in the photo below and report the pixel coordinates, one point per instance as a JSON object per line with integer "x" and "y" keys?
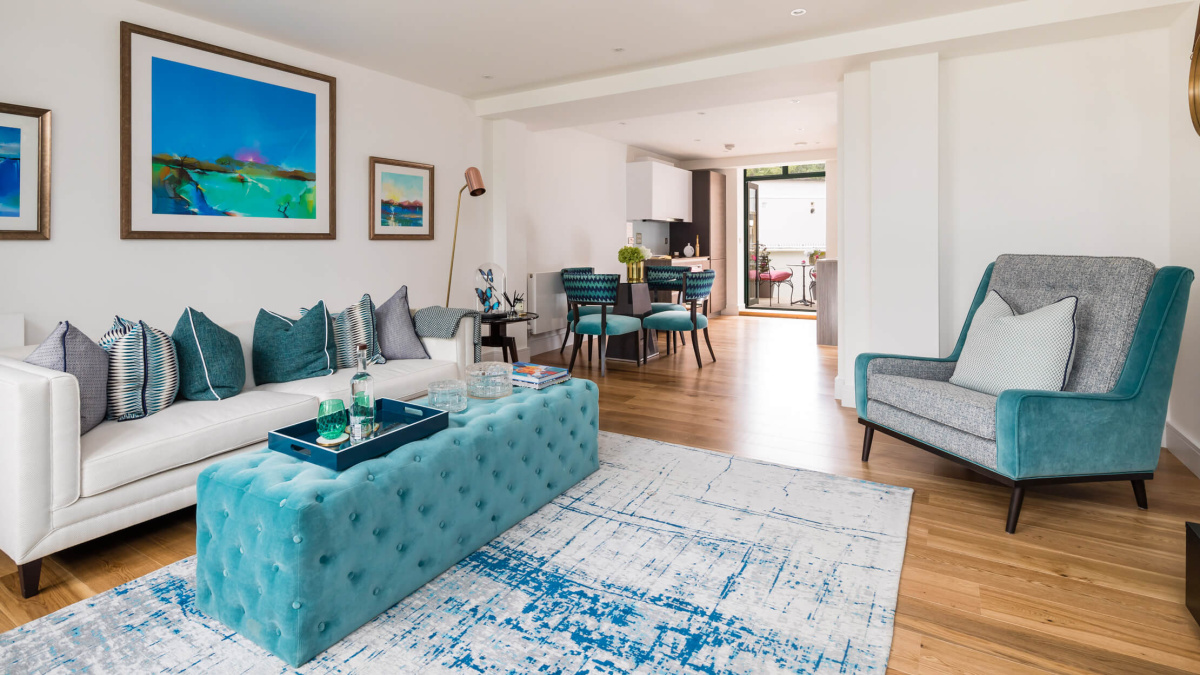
{"x": 522, "y": 44}
{"x": 759, "y": 128}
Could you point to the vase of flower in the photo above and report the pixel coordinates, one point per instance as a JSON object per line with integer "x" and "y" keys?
{"x": 634, "y": 261}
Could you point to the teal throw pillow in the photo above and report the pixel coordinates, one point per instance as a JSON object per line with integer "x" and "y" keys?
{"x": 353, "y": 327}
{"x": 286, "y": 350}
{"x": 211, "y": 365}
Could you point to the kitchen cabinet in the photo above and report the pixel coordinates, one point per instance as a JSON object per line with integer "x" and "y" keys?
{"x": 657, "y": 191}
{"x": 708, "y": 212}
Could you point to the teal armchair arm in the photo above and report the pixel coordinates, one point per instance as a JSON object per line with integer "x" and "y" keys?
{"x": 1043, "y": 434}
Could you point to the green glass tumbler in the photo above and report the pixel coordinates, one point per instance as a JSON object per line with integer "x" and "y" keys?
{"x": 331, "y": 419}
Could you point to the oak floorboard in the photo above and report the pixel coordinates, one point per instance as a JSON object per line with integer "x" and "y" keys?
{"x": 1088, "y": 584}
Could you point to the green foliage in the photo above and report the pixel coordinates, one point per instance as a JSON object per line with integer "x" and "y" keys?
{"x": 630, "y": 254}
{"x": 765, "y": 171}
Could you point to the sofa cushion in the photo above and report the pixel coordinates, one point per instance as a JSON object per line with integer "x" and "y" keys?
{"x": 68, "y": 350}
{"x": 614, "y": 324}
{"x": 211, "y": 365}
{"x": 115, "y": 454}
{"x": 293, "y": 349}
{"x": 352, "y": 327}
{"x": 399, "y": 379}
{"x": 1005, "y": 350}
{"x": 143, "y": 373}
{"x": 1111, "y": 293}
{"x": 397, "y": 335}
{"x": 981, "y": 451}
{"x": 942, "y": 402}
{"x": 675, "y": 320}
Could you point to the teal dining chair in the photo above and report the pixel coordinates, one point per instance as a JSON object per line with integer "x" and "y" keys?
{"x": 696, "y": 288}
{"x": 596, "y": 290}
{"x": 570, "y": 312}
{"x": 669, "y": 279}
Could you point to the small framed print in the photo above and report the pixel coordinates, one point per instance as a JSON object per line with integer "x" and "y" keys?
{"x": 401, "y": 199}
{"x": 24, "y": 172}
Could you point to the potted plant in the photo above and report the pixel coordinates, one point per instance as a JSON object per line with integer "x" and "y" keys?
{"x": 633, "y": 258}
{"x": 815, "y": 255}
{"x": 761, "y": 261}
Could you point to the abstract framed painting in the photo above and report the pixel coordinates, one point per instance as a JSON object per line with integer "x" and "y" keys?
{"x": 401, "y": 200}
{"x": 217, "y": 144}
{"x": 24, "y": 172}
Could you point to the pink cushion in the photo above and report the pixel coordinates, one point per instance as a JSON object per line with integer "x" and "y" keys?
{"x": 777, "y": 275}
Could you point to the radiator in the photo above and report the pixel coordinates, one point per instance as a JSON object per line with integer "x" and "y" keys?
{"x": 548, "y": 300}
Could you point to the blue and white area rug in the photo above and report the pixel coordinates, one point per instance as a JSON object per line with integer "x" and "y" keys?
{"x": 667, "y": 560}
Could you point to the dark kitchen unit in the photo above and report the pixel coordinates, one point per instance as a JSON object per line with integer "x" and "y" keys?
{"x": 708, "y": 226}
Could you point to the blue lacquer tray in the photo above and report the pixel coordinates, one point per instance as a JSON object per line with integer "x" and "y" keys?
{"x": 399, "y": 423}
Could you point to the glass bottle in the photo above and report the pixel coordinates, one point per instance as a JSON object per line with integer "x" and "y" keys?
{"x": 362, "y": 394}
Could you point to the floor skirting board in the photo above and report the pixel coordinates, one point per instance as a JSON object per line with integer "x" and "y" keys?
{"x": 1183, "y": 448}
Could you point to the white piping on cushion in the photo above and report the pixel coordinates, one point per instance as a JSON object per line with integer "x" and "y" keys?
{"x": 203, "y": 363}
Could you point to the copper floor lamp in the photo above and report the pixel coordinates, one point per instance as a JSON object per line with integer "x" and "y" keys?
{"x": 475, "y": 186}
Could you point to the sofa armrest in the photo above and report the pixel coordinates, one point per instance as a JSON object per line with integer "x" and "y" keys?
{"x": 39, "y": 449}
{"x": 459, "y": 349}
{"x": 1062, "y": 433}
{"x": 921, "y": 367}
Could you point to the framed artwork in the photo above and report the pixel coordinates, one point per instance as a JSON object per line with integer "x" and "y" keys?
{"x": 217, "y": 144}
{"x": 24, "y": 172}
{"x": 401, "y": 199}
{"x": 1194, "y": 80}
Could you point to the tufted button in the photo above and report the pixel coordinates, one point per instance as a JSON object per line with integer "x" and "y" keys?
{"x": 495, "y": 474}
{"x": 524, "y": 458}
{"x": 421, "y": 509}
{"x": 489, "y": 427}
{"x": 443, "y": 474}
{"x": 442, "y": 525}
{"x": 493, "y": 519}
{"x": 538, "y": 471}
{"x": 400, "y": 548}
{"x": 375, "y": 591}
{"x": 321, "y": 627}
{"x": 478, "y": 504}
{"x": 537, "y": 430}
{"x": 351, "y": 576}
{"x": 478, "y": 458}
{"x": 510, "y": 444}
{"x": 226, "y": 512}
{"x": 370, "y": 476}
{"x": 416, "y": 458}
{"x": 462, "y": 489}
{"x": 524, "y": 500}
{"x": 282, "y": 502}
{"x": 510, "y": 487}
{"x": 460, "y": 540}
{"x": 225, "y": 572}
{"x": 400, "y": 492}
{"x": 375, "y": 532}
{"x": 420, "y": 563}
{"x": 456, "y": 442}
{"x": 319, "y": 498}
{"x": 324, "y": 560}
{"x": 297, "y": 539}
{"x": 353, "y": 516}
{"x": 296, "y": 605}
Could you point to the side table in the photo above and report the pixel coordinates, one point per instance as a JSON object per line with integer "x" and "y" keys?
{"x": 498, "y": 333}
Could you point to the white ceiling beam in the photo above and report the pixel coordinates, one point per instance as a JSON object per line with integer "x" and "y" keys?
{"x": 844, "y": 49}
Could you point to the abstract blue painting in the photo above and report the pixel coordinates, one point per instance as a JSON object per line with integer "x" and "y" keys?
{"x": 10, "y": 172}
{"x": 225, "y": 145}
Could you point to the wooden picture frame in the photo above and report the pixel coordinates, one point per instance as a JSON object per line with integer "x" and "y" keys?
{"x": 294, "y": 186}
{"x": 1194, "y": 80}
{"x": 391, "y": 210}
{"x": 40, "y": 229}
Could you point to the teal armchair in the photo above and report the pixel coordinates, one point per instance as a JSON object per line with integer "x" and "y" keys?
{"x": 1106, "y": 424}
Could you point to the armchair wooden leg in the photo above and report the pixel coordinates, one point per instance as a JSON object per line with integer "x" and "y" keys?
{"x": 1139, "y": 493}
{"x": 29, "y": 575}
{"x": 710, "y": 349}
{"x": 1014, "y": 509}
{"x": 578, "y": 342}
{"x": 696, "y": 348}
{"x": 868, "y": 436}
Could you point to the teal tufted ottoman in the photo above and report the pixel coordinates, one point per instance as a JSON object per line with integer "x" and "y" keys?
{"x": 295, "y": 557}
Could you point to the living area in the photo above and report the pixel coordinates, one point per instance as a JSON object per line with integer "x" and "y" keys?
{"x": 312, "y": 388}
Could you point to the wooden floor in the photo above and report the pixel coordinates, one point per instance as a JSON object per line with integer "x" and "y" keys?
{"x": 1089, "y": 584}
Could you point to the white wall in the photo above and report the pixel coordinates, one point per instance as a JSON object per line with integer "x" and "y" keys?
{"x": 68, "y": 56}
{"x": 1184, "y": 414}
{"x": 1056, "y": 149}
{"x": 792, "y": 214}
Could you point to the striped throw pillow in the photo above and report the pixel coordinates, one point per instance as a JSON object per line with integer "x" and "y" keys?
{"x": 352, "y": 327}
{"x": 143, "y": 374}
{"x": 1005, "y": 350}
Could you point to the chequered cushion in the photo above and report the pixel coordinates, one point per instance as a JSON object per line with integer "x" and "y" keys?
{"x": 942, "y": 402}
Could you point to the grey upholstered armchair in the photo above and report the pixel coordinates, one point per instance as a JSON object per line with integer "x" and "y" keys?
{"x": 1106, "y": 424}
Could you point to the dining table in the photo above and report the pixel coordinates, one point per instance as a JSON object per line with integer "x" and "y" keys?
{"x": 633, "y": 299}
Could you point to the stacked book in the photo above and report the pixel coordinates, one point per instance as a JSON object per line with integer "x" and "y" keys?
{"x": 533, "y": 376}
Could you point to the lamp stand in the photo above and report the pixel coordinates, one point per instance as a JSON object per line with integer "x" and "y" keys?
{"x": 454, "y": 245}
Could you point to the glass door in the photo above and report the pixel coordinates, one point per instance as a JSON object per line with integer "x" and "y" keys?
{"x": 752, "y": 245}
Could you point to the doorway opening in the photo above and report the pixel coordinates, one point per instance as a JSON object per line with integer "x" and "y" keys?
{"x": 785, "y": 233}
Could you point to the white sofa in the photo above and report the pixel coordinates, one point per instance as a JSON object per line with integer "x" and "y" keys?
{"x": 58, "y": 489}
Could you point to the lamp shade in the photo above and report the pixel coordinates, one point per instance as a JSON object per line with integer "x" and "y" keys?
{"x": 475, "y": 182}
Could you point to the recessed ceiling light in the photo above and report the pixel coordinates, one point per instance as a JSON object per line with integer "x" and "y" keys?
{"x": 802, "y": 143}
{"x": 697, "y": 140}
{"x": 799, "y": 128}
{"x": 620, "y": 124}
{"x": 795, "y": 100}
{"x": 487, "y": 77}
{"x": 799, "y": 12}
{"x": 700, "y": 113}
{"x": 618, "y": 49}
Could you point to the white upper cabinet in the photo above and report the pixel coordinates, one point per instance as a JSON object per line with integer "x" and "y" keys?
{"x": 657, "y": 191}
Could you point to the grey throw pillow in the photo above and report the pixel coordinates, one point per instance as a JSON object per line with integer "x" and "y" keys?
{"x": 397, "y": 336}
{"x": 70, "y": 351}
{"x": 1005, "y": 350}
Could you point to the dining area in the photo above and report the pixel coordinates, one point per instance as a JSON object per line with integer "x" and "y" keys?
{"x": 623, "y": 320}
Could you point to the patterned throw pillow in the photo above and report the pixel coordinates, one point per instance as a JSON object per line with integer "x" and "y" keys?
{"x": 143, "y": 375}
{"x": 70, "y": 351}
{"x": 397, "y": 335}
{"x": 1005, "y": 350}
{"x": 286, "y": 350}
{"x": 353, "y": 327}
{"x": 211, "y": 365}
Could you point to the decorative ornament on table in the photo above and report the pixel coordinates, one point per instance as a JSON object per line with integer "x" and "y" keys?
{"x": 634, "y": 260}
{"x": 490, "y": 284}
{"x": 688, "y": 251}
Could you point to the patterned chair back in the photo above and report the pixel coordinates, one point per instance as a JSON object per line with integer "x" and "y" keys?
{"x": 578, "y": 270}
{"x": 698, "y": 285}
{"x": 591, "y": 289}
{"x": 665, "y": 277}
